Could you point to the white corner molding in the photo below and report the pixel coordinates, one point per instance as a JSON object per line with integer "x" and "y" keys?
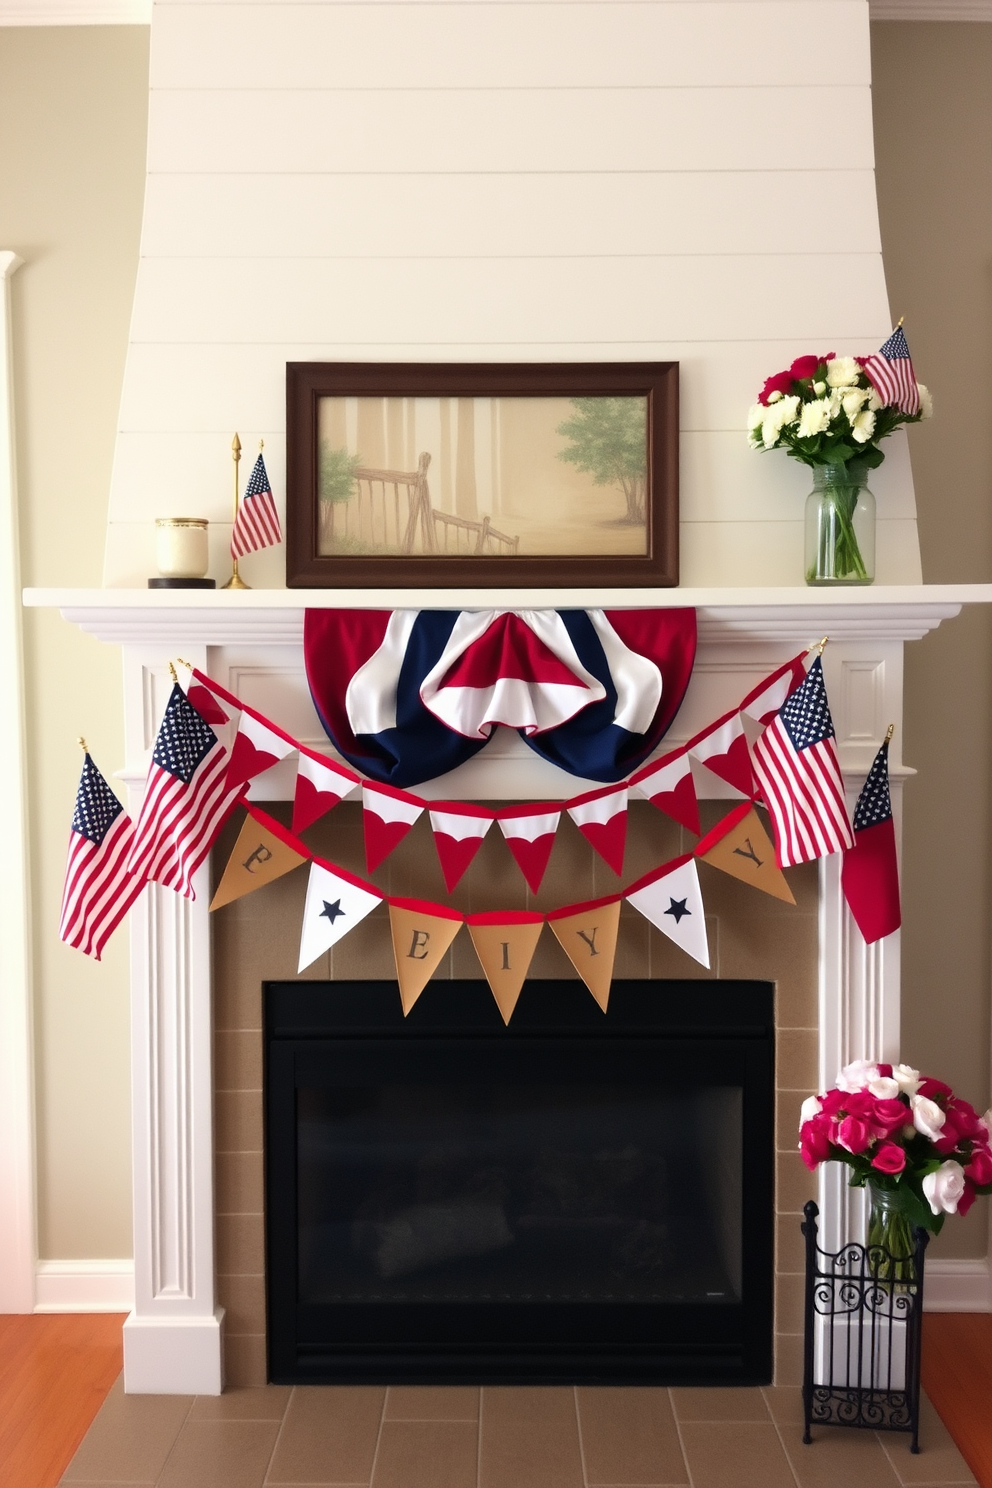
{"x": 17, "y": 1183}
{"x": 930, "y": 10}
{"x": 75, "y": 12}
{"x": 958, "y": 1286}
{"x": 84, "y": 1286}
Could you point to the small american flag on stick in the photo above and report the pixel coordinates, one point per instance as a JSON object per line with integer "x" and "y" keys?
{"x": 890, "y": 372}
{"x": 99, "y": 889}
{"x": 257, "y": 522}
{"x": 186, "y": 800}
{"x": 797, "y": 767}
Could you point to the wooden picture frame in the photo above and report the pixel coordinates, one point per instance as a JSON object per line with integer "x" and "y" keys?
{"x": 437, "y": 475}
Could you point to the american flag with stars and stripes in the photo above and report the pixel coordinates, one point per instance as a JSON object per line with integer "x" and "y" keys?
{"x": 99, "y": 890}
{"x": 890, "y": 372}
{"x": 870, "y": 875}
{"x": 257, "y": 524}
{"x": 186, "y": 801}
{"x": 798, "y": 769}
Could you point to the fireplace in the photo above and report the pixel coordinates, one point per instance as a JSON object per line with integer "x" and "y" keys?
{"x": 574, "y": 1198}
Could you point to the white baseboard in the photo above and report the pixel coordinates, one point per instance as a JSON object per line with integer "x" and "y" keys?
{"x": 958, "y": 1286}
{"x": 84, "y": 1286}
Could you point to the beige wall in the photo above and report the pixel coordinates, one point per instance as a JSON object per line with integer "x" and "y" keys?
{"x": 72, "y": 127}
{"x": 933, "y": 139}
{"x": 72, "y": 122}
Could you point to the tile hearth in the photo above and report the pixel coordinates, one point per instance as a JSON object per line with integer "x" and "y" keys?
{"x": 421, "y": 1437}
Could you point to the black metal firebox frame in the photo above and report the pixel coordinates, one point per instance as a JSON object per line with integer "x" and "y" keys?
{"x": 722, "y": 1026}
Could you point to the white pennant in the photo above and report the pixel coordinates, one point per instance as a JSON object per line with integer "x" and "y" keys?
{"x": 334, "y": 906}
{"x": 674, "y": 904}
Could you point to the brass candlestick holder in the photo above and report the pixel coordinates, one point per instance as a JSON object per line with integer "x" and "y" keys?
{"x": 235, "y": 581}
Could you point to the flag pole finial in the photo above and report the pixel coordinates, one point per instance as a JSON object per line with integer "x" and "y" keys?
{"x": 82, "y": 744}
{"x": 900, "y": 321}
{"x": 235, "y": 581}
{"x": 261, "y": 445}
{"x": 172, "y": 672}
{"x": 187, "y": 664}
{"x": 889, "y": 732}
{"x": 821, "y": 645}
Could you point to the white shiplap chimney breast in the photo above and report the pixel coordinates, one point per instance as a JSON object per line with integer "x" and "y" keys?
{"x": 663, "y": 179}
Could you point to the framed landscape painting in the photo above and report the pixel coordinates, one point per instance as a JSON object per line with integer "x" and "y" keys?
{"x": 432, "y": 475}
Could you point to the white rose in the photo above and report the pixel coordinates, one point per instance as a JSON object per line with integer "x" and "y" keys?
{"x": 857, "y": 1075}
{"x": 810, "y": 1107}
{"x": 875, "y": 400}
{"x": 819, "y": 388}
{"x": 814, "y": 418}
{"x": 843, "y": 372}
{"x": 863, "y": 427}
{"x": 883, "y": 1088}
{"x": 907, "y": 1078}
{"x": 928, "y": 1118}
{"x": 944, "y": 1188}
{"x": 926, "y": 402}
{"x": 852, "y": 401}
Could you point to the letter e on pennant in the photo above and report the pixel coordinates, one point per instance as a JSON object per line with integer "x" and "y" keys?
{"x": 421, "y": 937}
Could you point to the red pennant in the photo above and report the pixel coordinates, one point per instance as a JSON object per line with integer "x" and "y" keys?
{"x": 601, "y": 817}
{"x": 204, "y": 701}
{"x": 458, "y": 834}
{"x": 320, "y": 784}
{"x": 722, "y": 748}
{"x": 530, "y": 836}
{"x": 668, "y": 784}
{"x": 764, "y": 701}
{"x": 258, "y": 745}
{"x": 387, "y": 816}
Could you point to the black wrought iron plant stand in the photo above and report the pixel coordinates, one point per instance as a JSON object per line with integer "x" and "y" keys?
{"x": 861, "y": 1355}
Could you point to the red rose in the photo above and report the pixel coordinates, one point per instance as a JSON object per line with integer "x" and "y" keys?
{"x": 814, "y": 1142}
{"x": 885, "y": 1070}
{"x": 932, "y": 1088}
{"x": 860, "y": 1103}
{"x": 965, "y": 1118}
{"x": 891, "y": 1114}
{"x": 833, "y": 1101}
{"x": 804, "y": 367}
{"x": 979, "y": 1169}
{"x": 855, "y": 1134}
{"x": 967, "y": 1198}
{"x": 890, "y": 1158}
{"x": 780, "y": 383}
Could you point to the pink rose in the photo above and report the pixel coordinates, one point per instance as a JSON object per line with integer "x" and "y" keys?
{"x": 860, "y": 1103}
{"x": 965, "y": 1118}
{"x": 931, "y": 1087}
{"x": 833, "y": 1102}
{"x": 814, "y": 1141}
{"x": 890, "y": 1158}
{"x": 804, "y": 367}
{"x": 979, "y": 1169}
{"x": 890, "y": 1114}
{"x": 967, "y": 1198}
{"x": 855, "y": 1134}
{"x": 780, "y": 383}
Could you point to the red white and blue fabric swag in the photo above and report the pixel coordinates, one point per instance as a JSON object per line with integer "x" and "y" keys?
{"x": 407, "y": 695}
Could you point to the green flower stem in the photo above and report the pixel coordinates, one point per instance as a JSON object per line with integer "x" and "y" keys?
{"x": 890, "y": 1237}
{"x": 838, "y": 554}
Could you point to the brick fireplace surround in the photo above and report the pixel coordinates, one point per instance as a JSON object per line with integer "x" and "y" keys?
{"x": 196, "y": 979}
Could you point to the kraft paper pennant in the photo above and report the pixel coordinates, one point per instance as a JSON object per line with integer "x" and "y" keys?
{"x": 336, "y": 903}
{"x": 588, "y": 934}
{"x": 505, "y": 943}
{"x": 601, "y": 817}
{"x": 421, "y": 935}
{"x": 259, "y": 858}
{"x": 740, "y": 846}
{"x": 387, "y": 816}
{"x": 320, "y": 784}
{"x": 458, "y": 833}
{"x": 671, "y": 900}
{"x": 257, "y": 747}
{"x": 530, "y": 836}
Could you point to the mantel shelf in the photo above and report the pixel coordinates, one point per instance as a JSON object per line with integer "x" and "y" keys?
{"x": 275, "y": 616}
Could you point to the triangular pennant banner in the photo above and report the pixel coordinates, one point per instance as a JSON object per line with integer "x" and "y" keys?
{"x": 601, "y": 817}
{"x": 671, "y": 900}
{"x": 588, "y": 934}
{"x": 421, "y": 935}
{"x": 764, "y": 701}
{"x": 668, "y": 784}
{"x": 257, "y": 747}
{"x": 260, "y": 856}
{"x": 320, "y": 784}
{"x": 723, "y": 750}
{"x": 336, "y": 903}
{"x": 202, "y": 694}
{"x": 387, "y": 816}
{"x": 530, "y": 836}
{"x": 505, "y": 944}
{"x": 740, "y": 846}
{"x": 458, "y": 833}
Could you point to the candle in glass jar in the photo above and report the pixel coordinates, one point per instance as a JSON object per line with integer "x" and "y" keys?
{"x": 181, "y": 547}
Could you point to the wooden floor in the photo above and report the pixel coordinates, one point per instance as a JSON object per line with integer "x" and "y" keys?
{"x": 54, "y": 1376}
{"x": 55, "y": 1372}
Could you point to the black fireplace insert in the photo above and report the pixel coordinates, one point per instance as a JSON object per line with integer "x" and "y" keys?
{"x": 578, "y": 1197}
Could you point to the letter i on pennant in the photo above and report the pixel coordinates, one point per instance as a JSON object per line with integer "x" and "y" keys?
{"x": 421, "y": 936}
{"x": 505, "y": 942}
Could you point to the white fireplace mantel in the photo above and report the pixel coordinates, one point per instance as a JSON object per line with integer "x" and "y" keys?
{"x": 251, "y": 641}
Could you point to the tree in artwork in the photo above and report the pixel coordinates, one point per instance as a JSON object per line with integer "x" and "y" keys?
{"x": 608, "y": 440}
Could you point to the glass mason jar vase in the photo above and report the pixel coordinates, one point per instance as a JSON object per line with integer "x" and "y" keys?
{"x": 890, "y": 1243}
{"x": 840, "y": 526}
